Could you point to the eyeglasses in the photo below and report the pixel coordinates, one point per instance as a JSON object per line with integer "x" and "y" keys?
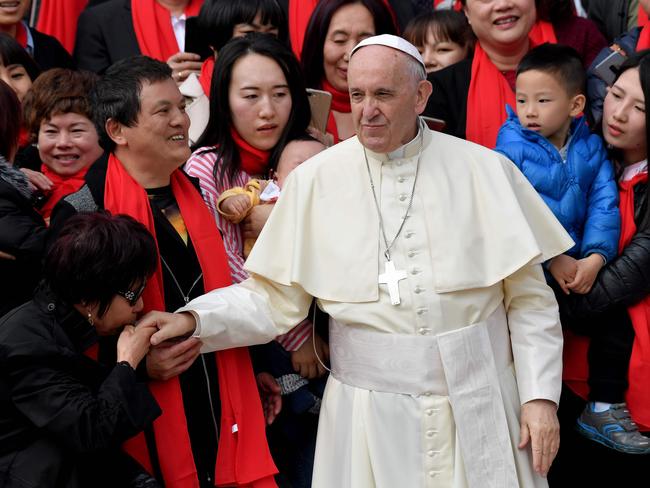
{"x": 133, "y": 296}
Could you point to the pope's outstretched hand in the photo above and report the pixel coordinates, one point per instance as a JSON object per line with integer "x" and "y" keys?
{"x": 170, "y": 325}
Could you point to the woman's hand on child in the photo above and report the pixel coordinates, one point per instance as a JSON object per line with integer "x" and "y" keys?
{"x": 253, "y": 224}
{"x": 305, "y": 361}
{"x": 564, "y": 269}
{"x": 271, "y": 396}
{"x": 588, "y": 269}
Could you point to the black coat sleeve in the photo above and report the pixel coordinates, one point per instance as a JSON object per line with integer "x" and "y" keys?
{"x": 90, "y": 49}
{"x": 69, "y": 411}
{"x": 22, "y": 234}
{"x": 621, "y": 283}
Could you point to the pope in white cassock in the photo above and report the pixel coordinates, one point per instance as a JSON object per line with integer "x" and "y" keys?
{"x": 426, "y": 252}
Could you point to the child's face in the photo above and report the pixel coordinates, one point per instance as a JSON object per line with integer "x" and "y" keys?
{"x": 294, "y": 154}
{"x": 544, "y": 106}
{"x": 440, "y": 53}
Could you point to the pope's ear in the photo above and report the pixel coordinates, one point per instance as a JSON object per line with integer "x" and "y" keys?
{"x": 423, "y": 93}
{"x": 115, "y": 132}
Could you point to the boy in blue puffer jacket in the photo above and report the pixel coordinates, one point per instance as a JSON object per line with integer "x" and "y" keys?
{"x": 568, "y": 166}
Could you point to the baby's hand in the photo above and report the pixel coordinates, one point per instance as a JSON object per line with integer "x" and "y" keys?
{"x": 564, "y": 269}
{"x": 236, "y": 207}
{"x": 588, "y": 269}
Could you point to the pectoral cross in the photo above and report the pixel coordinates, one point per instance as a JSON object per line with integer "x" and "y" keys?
{"x": 391, "y": 277}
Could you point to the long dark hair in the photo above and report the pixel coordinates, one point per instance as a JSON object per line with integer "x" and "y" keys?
{"x": 311, "y": 57}
{"x": 217, "y": 133}
{"x": 640, "y": 60}
{"x": 13, "y": 53}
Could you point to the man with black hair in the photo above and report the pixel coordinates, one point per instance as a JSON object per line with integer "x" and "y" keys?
{"x": 210, "y": 402}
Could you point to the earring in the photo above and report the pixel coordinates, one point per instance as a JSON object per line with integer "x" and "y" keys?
{"x": 90, "y": 318}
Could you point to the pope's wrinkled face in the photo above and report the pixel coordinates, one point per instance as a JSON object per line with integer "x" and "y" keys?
{"x": 386, "y": 97}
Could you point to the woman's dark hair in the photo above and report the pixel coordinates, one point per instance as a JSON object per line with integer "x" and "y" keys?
{"x": 98, "y": 254}
{"x": 554, "y": 11}
{"x": 218, "y": 18}
{"x": 13, "y": 53}
{"x": 217, "y": 133}
{"x": 9, "y": 120}
{"x": 641, "y": 61}
{"x": 57, "y": 91}
{"x": 311, "y": 57}
{"x": 446, "y": 25}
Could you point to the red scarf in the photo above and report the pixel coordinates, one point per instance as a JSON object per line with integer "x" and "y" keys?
{"x": 299, "y": 14}
{"x": 254, "y": 161}
{"x": 243, "y": 458}
{"x": 153, "y": 27}
{"x": 644, "y": 39}
{"x": 63, "y": 185}
{"x": 642, "y": 17}
{"x": 205, "y": 78}
{"x": 340, "y": 103}
{"x": 21, "y": 35}
{"x": 576, "y": 369}
{"x": 58, "y": 18}
{"x": 489, "y": 91}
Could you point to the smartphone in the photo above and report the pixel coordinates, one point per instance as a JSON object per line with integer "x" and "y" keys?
{"x": 607, "y": 69}
{"x": 433, "y": 123}
{"x": 320, "y": 102}
{"x": 195, "y": 41}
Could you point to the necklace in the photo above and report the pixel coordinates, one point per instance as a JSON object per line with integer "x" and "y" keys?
{"x": 186, "y": 296}
{"x": 391, "y": 276}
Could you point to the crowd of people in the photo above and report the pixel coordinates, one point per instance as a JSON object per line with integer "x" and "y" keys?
{"x": 329, "y": 243}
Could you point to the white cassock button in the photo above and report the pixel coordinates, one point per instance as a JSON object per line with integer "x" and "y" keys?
{"x": 431, "y": 453}
{"x": 424, "y": 330}
{"x": 411, "y": 254}
{"x": 401, "y": 179}
{"x": 433, "y": 474}
{"x": 418, "y": 289}
{"x": 403, "y": 197}
{"x": 421, "y": 311}
{"x": 431, "y": 433}
{"x": 414, "y": 271}
{"x": 429, "y": 411}
{"x": 409, "y": 234}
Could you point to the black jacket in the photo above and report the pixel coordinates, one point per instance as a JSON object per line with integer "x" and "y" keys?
{"x": 623, "y": 281}
{"x": 202, "y": 405}
{"x": 49, "y": 53}
{"x": 105, "y": 35}
{"x": 22, "y": 234}
{"x": 63, "y": 416}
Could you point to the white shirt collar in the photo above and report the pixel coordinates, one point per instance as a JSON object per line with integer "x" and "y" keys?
{"x": 178, "y": 24}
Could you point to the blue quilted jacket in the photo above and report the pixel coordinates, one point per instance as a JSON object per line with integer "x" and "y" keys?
{"x": 581, "y": 190}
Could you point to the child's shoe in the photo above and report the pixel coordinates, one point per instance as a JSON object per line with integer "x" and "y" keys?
{"x": 613, "y": 428}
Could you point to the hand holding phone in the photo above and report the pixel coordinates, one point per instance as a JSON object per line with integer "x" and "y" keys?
{"x": 319, "y": 103}
{"x": 607, "y": 69}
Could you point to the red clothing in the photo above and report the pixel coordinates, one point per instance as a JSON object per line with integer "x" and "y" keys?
{"x": 581, "y": 34}
{"x": 243, "y": 458}
{"x": 576, "y": 369}
{"x": 58, "y": 18}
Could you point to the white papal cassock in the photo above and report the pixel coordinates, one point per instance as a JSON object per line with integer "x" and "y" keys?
{"x": 477, "y": 332}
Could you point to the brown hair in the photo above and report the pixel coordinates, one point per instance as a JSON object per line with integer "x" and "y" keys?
{"x": 57, "y": 91}
{"x": 9, "y": 120}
